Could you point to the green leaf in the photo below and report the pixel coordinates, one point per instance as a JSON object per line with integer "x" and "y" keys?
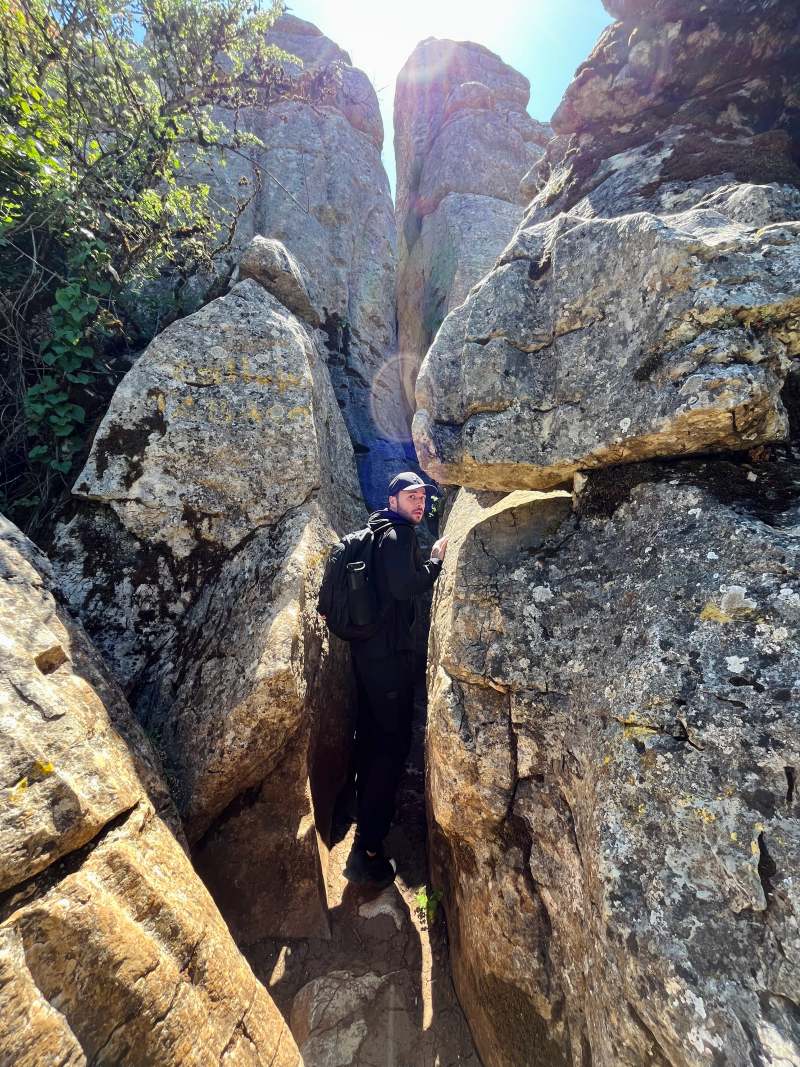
{"x": 65, "y": 334}
{"x": 79, "y": 377}
{"x": 38, "y": 451}
{"x": 66, "y": 296}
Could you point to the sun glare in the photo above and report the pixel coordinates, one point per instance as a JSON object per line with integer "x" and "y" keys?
{"x": 542, "y": 39}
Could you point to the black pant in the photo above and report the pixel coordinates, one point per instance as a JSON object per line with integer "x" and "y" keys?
{"x": 383, "y": 738}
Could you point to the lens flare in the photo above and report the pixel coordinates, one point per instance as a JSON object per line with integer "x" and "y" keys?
{"x": 391, "y": 397}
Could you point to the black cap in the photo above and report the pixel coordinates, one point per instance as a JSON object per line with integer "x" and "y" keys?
{"x": 407, "y": 480}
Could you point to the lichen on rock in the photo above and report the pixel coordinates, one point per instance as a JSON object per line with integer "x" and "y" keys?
{"x": 612, "y": 734}
{"x": 614, "y": 340}
{"x": 612, "y": 766}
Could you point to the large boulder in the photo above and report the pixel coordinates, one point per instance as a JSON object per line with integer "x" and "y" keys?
{"x": 65, "y": 727}
{"x": 186, "y": 454}
{"x": 463, "y": 142}
{"x": 614, "y": 340}
{"x": 217, "y": 480}
{"x": 269, "y": 702}
{"x": 613, "y": 751}
{"x": 319, "y": 187}
{"x": 111, "y": 949}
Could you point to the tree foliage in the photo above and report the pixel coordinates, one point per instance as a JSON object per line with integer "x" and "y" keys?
{"x": 101, "y": 106}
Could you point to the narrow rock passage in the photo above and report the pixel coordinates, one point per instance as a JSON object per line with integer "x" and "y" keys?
{"x": 379, "y": 993}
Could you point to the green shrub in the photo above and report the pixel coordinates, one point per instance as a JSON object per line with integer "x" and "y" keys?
{"x": 101, "y": 104}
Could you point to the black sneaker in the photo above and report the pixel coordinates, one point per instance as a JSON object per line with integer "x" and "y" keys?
{"x": 362, "y": 869}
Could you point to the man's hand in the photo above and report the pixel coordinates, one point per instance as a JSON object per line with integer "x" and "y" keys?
{"x": 439, "y": 548}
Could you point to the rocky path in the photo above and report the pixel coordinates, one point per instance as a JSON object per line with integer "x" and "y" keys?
{"x": 378, "y": 993}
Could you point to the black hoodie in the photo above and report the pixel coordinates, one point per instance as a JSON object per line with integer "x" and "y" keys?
{"x": 400, "y": 575}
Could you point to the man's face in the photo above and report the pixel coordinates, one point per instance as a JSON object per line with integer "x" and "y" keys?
{"x": 410, "y": 503}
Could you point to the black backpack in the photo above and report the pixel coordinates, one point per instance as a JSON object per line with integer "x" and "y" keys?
{"x": 348, "y": 599}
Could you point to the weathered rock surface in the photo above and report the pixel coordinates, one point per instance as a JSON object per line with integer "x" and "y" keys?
{"x": 335, "y": 1018}
{"x": 463, "y": 142}
{"x": 268, "y": 262}
{"x": 613, "y": 740}
{"x": 611, "y": 340}
{"x": 324, "y": 194}
{"x": 259, "y": 803}
{"x": 673, "y": 102}
{"x": 457, "y": 245}
{"x": 111, "y": 949}
{"x": 196, "y": 425}
{"x": 73, "y": 758}
{"x": 216, "y": 482}
{"x": 613, "y": 754}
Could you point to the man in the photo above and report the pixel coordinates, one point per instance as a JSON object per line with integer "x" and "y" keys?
{"x": 384, "y": 671}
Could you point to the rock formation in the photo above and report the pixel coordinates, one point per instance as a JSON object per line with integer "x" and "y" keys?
{"x": 463, "y": 143}
{"x": 217, "y": 480}
{"x": 610, "y": 340}
{"x": 613, "y": 383}
{"x": 613, "y": 750}
{"x": 324, "y": 194}
{"x": 111, "y": 949}
{"x": 613, "y": 725}
{"x": 675, "y": 100}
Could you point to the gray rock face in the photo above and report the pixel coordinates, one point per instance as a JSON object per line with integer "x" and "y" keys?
{"x": 463, "y": 142}
{"x": 219, "y": 477}
{"x": 672, "y": 103}
{"x": 111, "y": 949}
{"x": 613, "y": 753}
{"x": 615, "y": 340}
{"x": 323, "y": 193}
{"x": 342, "y": 1018}
{"x": 612, "y": 732}
{"x": 267, "y": 261}
{"x": 457, "y": 245}
{"x": 200, "y": 390}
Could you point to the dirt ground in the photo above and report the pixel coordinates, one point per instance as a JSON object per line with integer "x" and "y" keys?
{"x": 379, "y": 992}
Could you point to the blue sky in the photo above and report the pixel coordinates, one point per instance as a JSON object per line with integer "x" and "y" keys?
{"x": 544, "y": 39}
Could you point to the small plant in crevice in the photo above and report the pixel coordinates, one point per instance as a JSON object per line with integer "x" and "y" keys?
{"x": 427, "y": 904}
